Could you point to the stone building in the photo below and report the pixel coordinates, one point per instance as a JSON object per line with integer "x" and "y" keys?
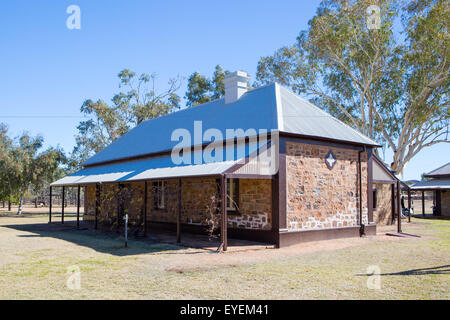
{"x": 438, "y": 182}
{"x": 289, "y": 171}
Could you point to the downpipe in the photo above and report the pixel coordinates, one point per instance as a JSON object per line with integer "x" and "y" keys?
{"x": 362, "y": 231}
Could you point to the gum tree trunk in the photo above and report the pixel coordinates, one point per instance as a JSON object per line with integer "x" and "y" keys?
{"x": 19, "y": 211}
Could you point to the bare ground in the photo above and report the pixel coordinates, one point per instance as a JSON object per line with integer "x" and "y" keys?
{"x": 34, "y": 262}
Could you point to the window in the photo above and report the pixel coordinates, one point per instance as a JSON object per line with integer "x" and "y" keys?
{"x": 233, "y": 194}
{"x": 374, "y": 199}
{"x": 159, "y": 192}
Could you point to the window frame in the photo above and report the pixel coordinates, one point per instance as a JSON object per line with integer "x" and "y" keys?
{"x": 232, "y": 206}
{"x": 159, "y": 190}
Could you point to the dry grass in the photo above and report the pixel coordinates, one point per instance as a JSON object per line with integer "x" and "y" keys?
{"x": 33, "y": 265}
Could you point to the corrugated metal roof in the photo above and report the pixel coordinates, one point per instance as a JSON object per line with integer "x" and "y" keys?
{"x": 270, "y": 108}
{"x": 432, "y": 184}
{"x": 160, "y": 167}
{"x": 154, "y": 168}
{"x": 441, "y": 171}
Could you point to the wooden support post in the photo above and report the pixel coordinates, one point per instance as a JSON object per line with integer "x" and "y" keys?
{"x": 145, "y": 208}
{"x": 50, "y": 207}
{"x": 409, "y": 205}
{"x": 78, "y": 206}
{"x": 63, "y": 203}
{"x": 179, "y": 212}
{"x": 399, "y": 209}
{"x": 393, "y": 202}
{"x": 9, "y": 205}
{"x": 423, "y": 203}
{"x": 97, "y": 204}
{"x": 224, "y": 227}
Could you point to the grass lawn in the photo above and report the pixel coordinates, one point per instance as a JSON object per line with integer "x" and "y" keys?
{"x": 33, "y": 265}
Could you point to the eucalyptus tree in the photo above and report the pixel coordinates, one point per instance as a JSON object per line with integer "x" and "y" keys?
{"x": 383, "y": 69}
{"x": 202, "y": 89}
{"x": 31, "y": 168}
{"x": 106, "y": 123}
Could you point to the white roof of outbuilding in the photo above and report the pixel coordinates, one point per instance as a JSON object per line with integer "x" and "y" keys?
{"x": 271, "y": 108}
{"x": 432, "y": 184}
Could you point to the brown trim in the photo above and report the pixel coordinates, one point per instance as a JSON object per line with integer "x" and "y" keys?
{"x": 63, "y": 203}
{"x": 145, "y": 207}
{"x": 438, "y": 203}
{"x": 399, "y": 210}
{"x": 393, "y": 202}
{"x": 409, "y": 205}
{"x": 282, "y": 187}
{"x": 275, "y": 209}
{"x": 97, "y": 204}
{"x": 315, "y": 140}
{"x": 49, "y": 206}
{"x": 383, "y": 182}
{"x": 249, "y": 176}
{"x": 423, "y": 202}
{"x": 179, "y": 211}
{"x": 78, "y": 206}
{"x": 370, "y": 189}
{"x": 223, "y": 231}
{"x": 295, "y": 237}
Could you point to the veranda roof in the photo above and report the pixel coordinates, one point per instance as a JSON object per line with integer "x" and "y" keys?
{"x": 432, "y": 184}
{"x": 160, "y": 167}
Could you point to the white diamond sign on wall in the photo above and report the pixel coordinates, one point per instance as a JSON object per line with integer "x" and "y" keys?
{"x": 330, "y": 159}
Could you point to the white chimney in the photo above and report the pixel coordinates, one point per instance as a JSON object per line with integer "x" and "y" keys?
{"x": 235, "y": 85}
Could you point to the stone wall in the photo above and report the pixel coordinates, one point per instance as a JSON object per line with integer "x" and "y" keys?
{"x": 382, "y": 214}
{"x": 255, "y": 203}
{"x": 445, "y": 202}
{"x": 89, "y": 203}
{"x": 318, "y": 197}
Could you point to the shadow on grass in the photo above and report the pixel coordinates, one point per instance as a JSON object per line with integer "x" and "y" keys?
{"x": 445, "y": 269}
{"x": 101, "y": 241}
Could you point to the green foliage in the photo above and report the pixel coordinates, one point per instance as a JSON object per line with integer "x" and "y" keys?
{"x": 390, "y": 84}
{"x": 107, "y": 123}
{"x": 24, "y": 166}
{"x": 201, "y": 89}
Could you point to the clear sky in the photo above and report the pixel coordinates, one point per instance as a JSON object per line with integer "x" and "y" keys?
{"x": 49, "y": 70}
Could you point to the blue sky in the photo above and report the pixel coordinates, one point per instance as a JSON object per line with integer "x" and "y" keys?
{"x": 49, "y": 70}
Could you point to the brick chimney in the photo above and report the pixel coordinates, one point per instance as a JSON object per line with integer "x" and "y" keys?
{"x": 235, "y": 85}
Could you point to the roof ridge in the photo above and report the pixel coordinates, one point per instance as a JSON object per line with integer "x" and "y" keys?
{"x": 431, "y": 172}
{"x": 326, "y": 114}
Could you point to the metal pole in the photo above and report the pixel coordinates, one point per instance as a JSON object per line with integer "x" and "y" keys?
{"x": 399, "y": 209}
{"x": 423, "y": 203}
{"x": 224, "y": 213}
{"x": 78, "y": 206}
{"x": 409, "y": 205}
{"x": 126, "y": 230}
{"x": 50, "y": 207}
{"x": 179, "y": 213}
{"x": 97, "y": 204}
{"x": 145, "y": 208}
{"x": 63, "y": 202}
